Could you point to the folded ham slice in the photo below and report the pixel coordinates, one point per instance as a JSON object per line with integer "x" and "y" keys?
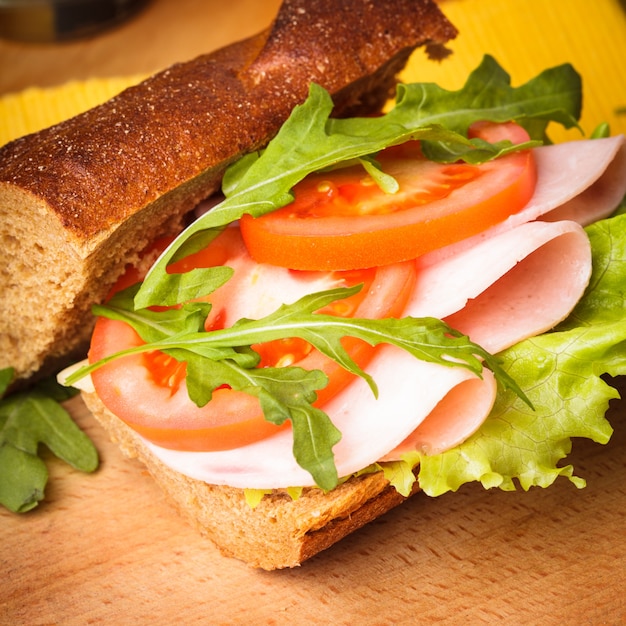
{"x": 526, "y": 280}
{"x": 514, "y": 285}
{"x": 513, "y": 282}
{"x": 582, "y": 181}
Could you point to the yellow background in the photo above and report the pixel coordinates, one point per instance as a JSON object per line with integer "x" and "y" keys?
{"x": 525, "y": 36}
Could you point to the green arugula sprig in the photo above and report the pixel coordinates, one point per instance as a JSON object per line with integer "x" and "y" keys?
{"x": 219, "y": 357}
{"x": 310, "y": 141}
{"x": 28, "y": 419}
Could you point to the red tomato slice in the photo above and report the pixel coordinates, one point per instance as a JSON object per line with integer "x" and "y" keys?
{"x": 148, "y": 391}
{"x": 343, "y": 220}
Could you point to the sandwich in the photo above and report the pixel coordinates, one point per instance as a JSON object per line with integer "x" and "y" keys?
{"x": 417, "y": 414}
{"x": 287, "y": 380}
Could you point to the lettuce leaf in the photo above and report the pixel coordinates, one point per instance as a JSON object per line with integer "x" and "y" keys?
{"x": 560, "y": 372}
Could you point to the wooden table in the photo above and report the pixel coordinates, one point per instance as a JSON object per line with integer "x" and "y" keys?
{"x": 107, "y": 549}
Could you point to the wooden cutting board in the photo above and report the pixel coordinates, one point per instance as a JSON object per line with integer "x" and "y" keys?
{"x": 107, "y": 549}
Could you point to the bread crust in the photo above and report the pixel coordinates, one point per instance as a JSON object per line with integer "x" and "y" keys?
{"x": 279, "y": 532}
{"x": 80, "y": 200}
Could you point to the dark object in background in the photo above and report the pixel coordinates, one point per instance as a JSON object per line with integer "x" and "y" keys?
{"x": 42, "y": 21}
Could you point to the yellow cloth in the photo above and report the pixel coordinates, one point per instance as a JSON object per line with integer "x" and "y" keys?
{"x": 33, "y": 109}
{"x": 525, "y": 36}
{"x": 528, "y": 36}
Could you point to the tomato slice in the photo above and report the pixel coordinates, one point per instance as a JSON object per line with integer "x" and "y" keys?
{"x": 147, "y": 391}
{"x": 343, "y": 220}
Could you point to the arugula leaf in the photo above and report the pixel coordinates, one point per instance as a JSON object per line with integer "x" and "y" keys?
{"x": 284, "y": 394}
{"x": 553, "y": 95}
{"x": 427, "y": 339}
{"x": 28, "y": 419}
{"x": 310, "y": 141}
{"x": 219, "y": 357}
{"x": 561, "y": 374}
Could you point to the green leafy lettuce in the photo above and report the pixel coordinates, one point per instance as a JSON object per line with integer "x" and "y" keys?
{"x": 28, "y": 419}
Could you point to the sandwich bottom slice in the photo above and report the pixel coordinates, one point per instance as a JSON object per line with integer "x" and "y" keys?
{"x": 279, "y": 532}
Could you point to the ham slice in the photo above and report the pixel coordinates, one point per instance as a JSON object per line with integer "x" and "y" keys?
{"x": 515, "y": 281}
{"x": 366, "y": 437}
{"x": 527, "y": 280}
{"x": 582, "y": 181}
{"x": 514, "y": 285}
{"x": 589, "y": 203}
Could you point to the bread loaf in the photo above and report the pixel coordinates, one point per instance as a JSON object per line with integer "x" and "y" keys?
{"x": 279, "y": 532}
{"x": 80, "y": 200}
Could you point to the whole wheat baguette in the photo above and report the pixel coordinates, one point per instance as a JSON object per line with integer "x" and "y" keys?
{"x": 80, "y": 200}
{"x": 279, "y": 532}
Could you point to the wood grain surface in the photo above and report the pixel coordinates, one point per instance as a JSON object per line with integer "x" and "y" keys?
{"x": 107, "y": 549}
